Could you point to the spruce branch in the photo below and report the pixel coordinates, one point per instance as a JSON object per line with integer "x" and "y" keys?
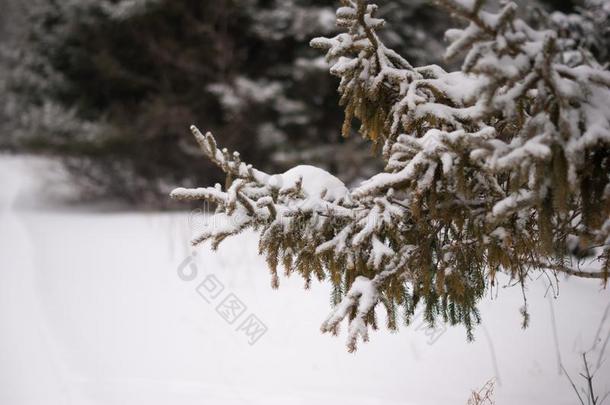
{"x": 501, "y": 166}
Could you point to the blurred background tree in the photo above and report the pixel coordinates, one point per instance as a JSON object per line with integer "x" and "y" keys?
{"x": 110, "y": 87}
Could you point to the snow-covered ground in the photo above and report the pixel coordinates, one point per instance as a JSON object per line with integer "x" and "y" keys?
{"x": 93, "y": 311}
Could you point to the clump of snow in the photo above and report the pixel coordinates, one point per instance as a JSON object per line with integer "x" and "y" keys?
{"x": 124, "y": 9}
{"x": 315, "y": 182}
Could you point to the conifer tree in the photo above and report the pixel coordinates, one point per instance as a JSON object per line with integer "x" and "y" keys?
{"x": 500, "y": 166}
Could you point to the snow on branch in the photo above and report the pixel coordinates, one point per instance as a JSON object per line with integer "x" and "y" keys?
{"x": 501, "y": 166}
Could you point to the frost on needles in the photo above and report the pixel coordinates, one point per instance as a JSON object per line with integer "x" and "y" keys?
{"x": 502, "y": 166}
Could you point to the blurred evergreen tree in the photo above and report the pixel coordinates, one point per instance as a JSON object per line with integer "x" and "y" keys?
{"x": 108, "y": 86}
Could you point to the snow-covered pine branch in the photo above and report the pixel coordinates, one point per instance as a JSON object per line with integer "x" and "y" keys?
{"x": 503, "y": 165}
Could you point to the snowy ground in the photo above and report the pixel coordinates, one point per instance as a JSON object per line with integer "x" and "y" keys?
{"x": 93, "y": 312}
